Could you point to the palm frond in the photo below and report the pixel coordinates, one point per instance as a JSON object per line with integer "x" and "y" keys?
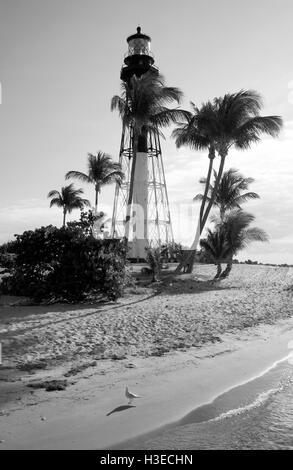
{"x": 54, "y": 193}
{"x": 231, "y": 235}
{"x": 238, "y": 200}
{"x": 113, "y": 176}
{"x": 154, "y": 131}
{"x": 170, "y": 94}
{"x": 186, "y": 135}
{"x": 56, "y": 201}
{"x": 117, "y": 102}
{"x": 101, "y": 170}
{"x": 230, "y": 190}
{"x": 69, "y": 198}
{"x": 251, "y": 130}
{"x": 256, "y": 234}
{"x": 78, "y": 175}
{"x": 167, "y": 116}
{"x": 144, "y": 100}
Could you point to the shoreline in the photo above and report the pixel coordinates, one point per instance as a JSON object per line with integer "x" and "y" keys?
{"x": 200, "y": 409}
{"x": 84, "y": 416}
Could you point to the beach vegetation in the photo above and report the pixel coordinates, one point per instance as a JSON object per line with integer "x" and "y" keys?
{"x": 231, "y": 234}
{"x": 231, "y": 121}
{"x": 52, "y": 264}
{"x": 171, "y": 252}
{"x": 68, "y": 199}
{"x": 102, "y": 170}
{"x": 232, "y": 191}
{"x": 88, "y": 223}
{"x": 154, "y": 259}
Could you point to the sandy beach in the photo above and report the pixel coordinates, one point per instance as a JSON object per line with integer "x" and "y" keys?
{"x": 179, "y": 346}
{"x": 146, "y": 242}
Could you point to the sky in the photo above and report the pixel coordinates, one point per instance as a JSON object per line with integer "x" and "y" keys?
{"x": 60, "y": 65}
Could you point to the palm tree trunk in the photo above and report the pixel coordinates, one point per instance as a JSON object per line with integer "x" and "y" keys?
{"x": 96, "y": 199}
{"x": 219, "y": 270}
{"x": 213, "y": 195}
{"x": 154, "y": 275}
{"x": 64, "y": 217}
{"x": 188, "y": 260}
{"x": 203, "y": 203}
{"x": 222, "y": 213}
{"x": 228, "y": 269}
{"x": 187, "y": 263}
{"x": 197, "y": 236}
{"x": 131, "y": 186}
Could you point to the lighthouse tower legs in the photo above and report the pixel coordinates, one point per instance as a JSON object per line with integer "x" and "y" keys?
{"x": 150, "y": 222}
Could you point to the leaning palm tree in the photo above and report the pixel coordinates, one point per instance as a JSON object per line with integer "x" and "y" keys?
{"x": 199, "y": 134}
{"x": 69, "y": 198}
{"x": 231, "y": 235}
{"x": 236, "y": 122}
{"x": 102, "y": 170}
{"x": 231, "y": 191}
{"x": 143, "y": 109}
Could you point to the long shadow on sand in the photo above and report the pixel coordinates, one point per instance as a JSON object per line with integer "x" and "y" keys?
{"x": 19, "y": 312}
{"x": 190, "y": 286}
{"x": 120, "y": 408}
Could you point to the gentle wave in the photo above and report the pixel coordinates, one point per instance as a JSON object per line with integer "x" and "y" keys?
{"x": 189, "y": 418}
{"x": 265, "y": 371}
{"x": 256, "y": 413}
{"x": 259, "y": 401}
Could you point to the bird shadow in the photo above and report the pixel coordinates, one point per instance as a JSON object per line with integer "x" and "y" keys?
{"x": 120, "y": 408}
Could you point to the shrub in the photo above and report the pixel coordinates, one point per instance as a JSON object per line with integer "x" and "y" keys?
{"x": 172, "y": 251}
{"x": 67, "y": 264}
{"x": 155, "y": 261}
{"x": 87, "y": 222}
{"x": 204, "y": 257}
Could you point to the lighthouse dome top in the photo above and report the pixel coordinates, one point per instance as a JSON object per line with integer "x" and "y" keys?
{"x": 139, "y": 35}
{"x": 139, "y": 44}
{"x": 139, "y": 58}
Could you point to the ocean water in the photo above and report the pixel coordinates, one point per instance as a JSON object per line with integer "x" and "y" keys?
{"x": 256, "y": 415}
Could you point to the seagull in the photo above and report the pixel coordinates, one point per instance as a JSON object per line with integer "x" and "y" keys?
{"x": 130, "y": 396}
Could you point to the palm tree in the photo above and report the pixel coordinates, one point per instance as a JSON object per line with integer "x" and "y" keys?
{"x": 143, "y": 109}
{"x": 198, "y": 134}
{"x": 234, "y": 121}
{"x": 69, "y": 198}
{"x": 102, "y": 170}
{"x": 231, "y": 235}
{"x": 238, "y": 124}
{"x": 230, "y": 193}
{"x": 216, "y": 248}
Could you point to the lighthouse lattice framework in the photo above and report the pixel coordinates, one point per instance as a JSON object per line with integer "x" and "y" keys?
{"x": 150, "y": 222}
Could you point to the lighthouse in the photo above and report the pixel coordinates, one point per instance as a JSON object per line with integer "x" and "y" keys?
{"x": 150, "y": 222}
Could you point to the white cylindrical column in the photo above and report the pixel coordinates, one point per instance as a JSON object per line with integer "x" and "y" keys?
{"x": 140, "y": 206}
